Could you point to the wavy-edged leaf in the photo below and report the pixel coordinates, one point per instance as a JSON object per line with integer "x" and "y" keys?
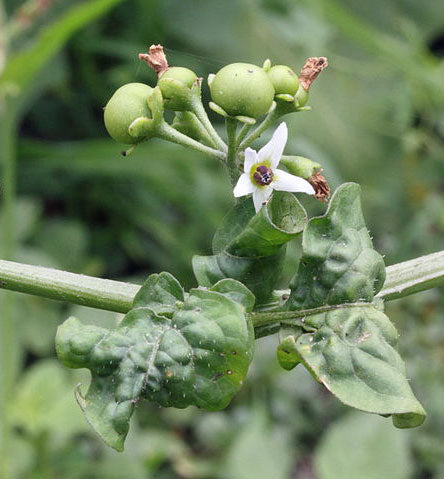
{"x": 352, "y": 352}
{"x": 200, "y": 356}
{"x": 339, "y": 264}
{"x": 160, "y": 292}
{"x": 351, "y": 348}
{"x": 249, "y": 247}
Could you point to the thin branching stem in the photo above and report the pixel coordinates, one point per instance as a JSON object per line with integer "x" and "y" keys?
{"x": 243, "y": 133}
{"x": 202, "y": 116}
{"x": 268, "y": 121}
{"x": 168, "y": 133}
{"x": 231, "y": 125}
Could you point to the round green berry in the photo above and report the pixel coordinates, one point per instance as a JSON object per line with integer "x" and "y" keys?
{"x": 284, "y": 80}
{"x": 128, "y": 103}
{"x": 242, "y": 89}
{"x": 184, "y": 75}
{"x": 175, "y": 85}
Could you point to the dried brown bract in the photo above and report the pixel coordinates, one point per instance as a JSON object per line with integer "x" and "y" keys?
{"x": 156, "y": 59}
{"x": 320, "y": 185}
{"x": 313, "y": 66}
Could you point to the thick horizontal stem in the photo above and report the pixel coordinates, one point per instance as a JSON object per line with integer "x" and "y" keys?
{"x": 63, "y": 286}
{"x": 412, "y": 276}
{"x": 402, "y": 280}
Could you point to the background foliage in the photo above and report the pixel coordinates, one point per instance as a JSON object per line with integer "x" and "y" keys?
{"x": 377, "y": 119}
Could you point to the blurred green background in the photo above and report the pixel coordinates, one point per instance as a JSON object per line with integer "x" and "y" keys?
{"x": 71, "y": 202}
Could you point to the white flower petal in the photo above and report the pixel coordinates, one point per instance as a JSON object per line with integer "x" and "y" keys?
{"x": 283, "y": 181}
{"x": 244, "y": 186}
{"x": 250, "y": 159}
{"x": 273, "y": 150}
{"x": 261, "y": 197}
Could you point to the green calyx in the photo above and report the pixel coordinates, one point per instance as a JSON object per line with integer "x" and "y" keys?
{"x": 284, "y": 80}
{"x": 300, "y": 166}
{"x": 175, "y": 85}
{"x": 127, "y": 104}
{"x": 242, "y": 89}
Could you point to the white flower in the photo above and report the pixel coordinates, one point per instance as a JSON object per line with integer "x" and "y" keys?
{"x": 261, "y": 175}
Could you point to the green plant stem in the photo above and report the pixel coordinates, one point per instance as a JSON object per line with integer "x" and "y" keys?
{"x": 202, "y": 116}
{"x": 409, "y": 277}
{"x": 268, "y": 121}
{"x": 8, "y": 333}
{"x": 168, "y": 133}
{"x": 231, "y": 125}
{"x": 204, "y": 133}
{"x": 405, "y": 278}
{"x": 243, "y": 133}
{"x": 63, "y": 286}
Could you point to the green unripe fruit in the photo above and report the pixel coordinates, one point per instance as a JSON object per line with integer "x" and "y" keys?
{"x": 128, "y": 103}
{"x": 184, "y": 75}
{"x": 284, "y": 80}
{"x": 175, "y": 85}
{"x": 242, "y": 89}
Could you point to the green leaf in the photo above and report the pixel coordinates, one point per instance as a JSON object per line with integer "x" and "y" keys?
{"x": 382, "y": 452}
{"x": 249, "y": 247}
{"x": 259, "y": 274}
{"x": 287, "y": 353}
{"x": 198, "y": 357}
{"x": 348, "y": 348}
{"x": 339, "y": 264}
{"x": 160, "y": 292}
{"x": 352, "y": 352}
{"x": 237, "y": 292}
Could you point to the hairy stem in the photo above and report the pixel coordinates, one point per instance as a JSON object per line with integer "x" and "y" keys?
{"x": 168, "y": 133}
{"x": 402, "y": 280}
{"x": 231, "y": 125}
{"x": 201, "y": 114}
{"x": 409, "y": 277}
{"x": 63, "y": 286}
{"x": 268, "y": 121}
{"x": 243, "y": 133}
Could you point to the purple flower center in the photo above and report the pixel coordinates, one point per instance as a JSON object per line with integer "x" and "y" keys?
{"x": 263, "y": 175}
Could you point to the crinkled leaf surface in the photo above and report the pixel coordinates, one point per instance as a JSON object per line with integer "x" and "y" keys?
{"x": 249, "y": 247}
{"x": 161, "y": 292}
{"x": 352, "y": 352}
{"x": 339, "y": 264}
{"x": 350, "y": 348}
{"x": 199, "y": 356}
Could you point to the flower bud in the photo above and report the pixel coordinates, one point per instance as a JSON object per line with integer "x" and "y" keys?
{"x": 242, "y": 89}
{"x": 300, "y": 166}
{"x": 309, "y": 170}
{"x": 175, "y": 85}
{"x": 284, "y": 80}
{"x": 127, "y": 104}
